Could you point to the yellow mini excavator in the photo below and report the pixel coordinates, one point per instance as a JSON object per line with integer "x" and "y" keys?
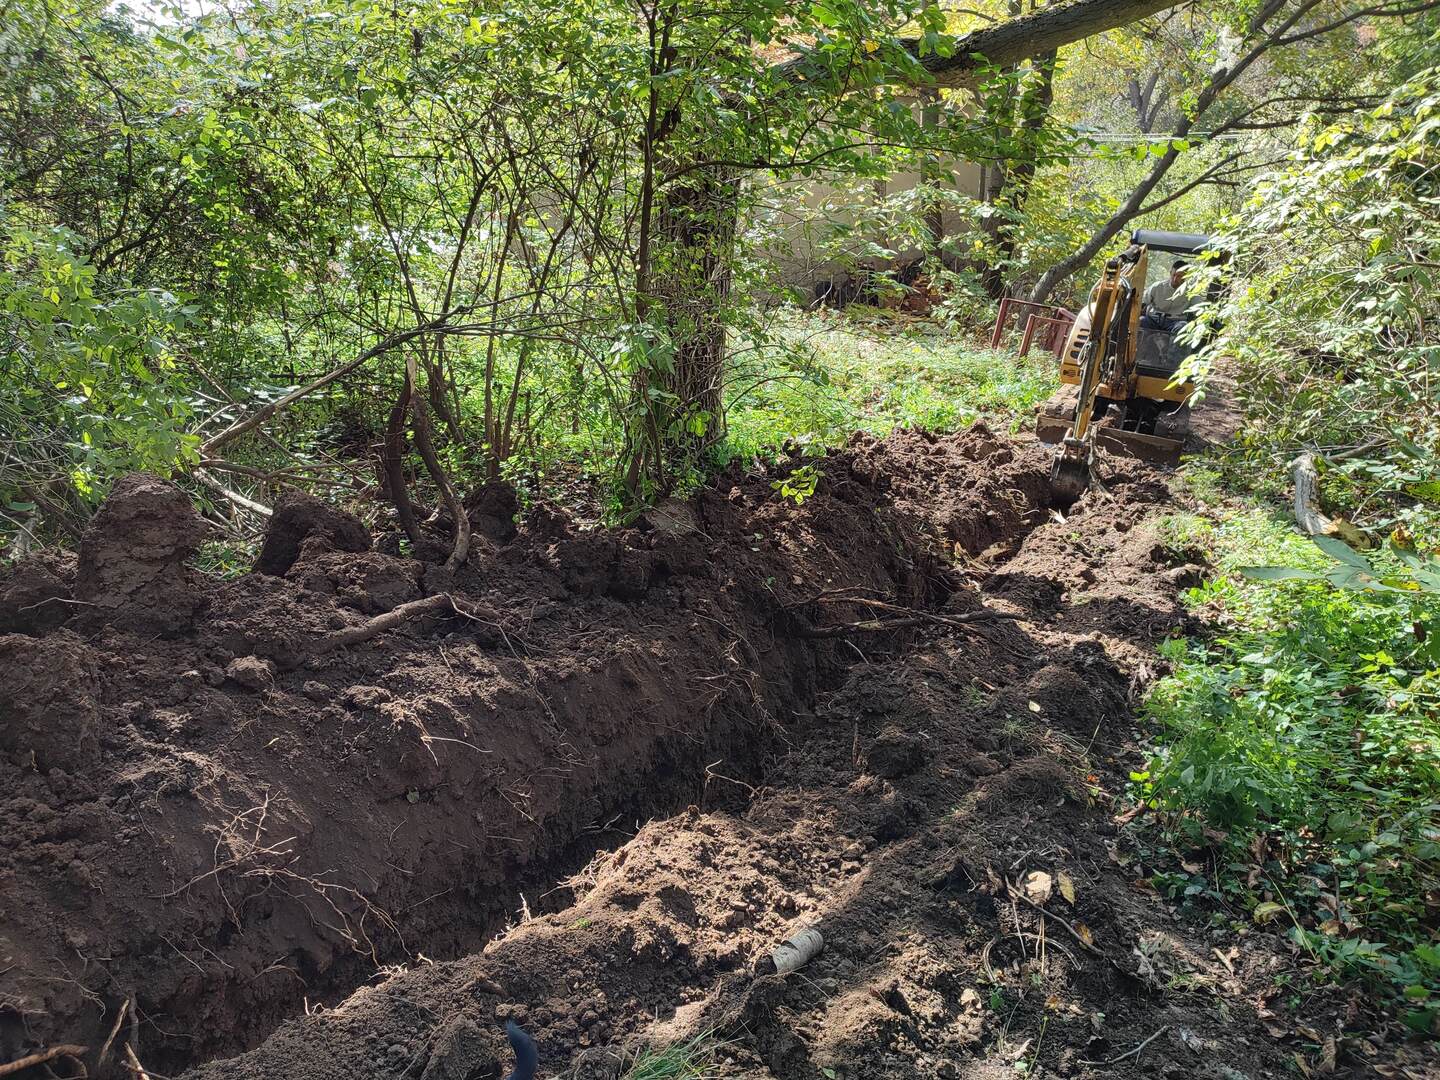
{"x": 1123, "y": 366}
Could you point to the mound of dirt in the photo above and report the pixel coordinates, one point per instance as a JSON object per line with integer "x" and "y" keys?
{"x": 936, "y": 820}
{"x": 35, "y": 595}
{"x": 594, "y": 780}
{"x": 132, "y": 568}
{"x": 297, "y": 517}
{"x": 206, "y": 822}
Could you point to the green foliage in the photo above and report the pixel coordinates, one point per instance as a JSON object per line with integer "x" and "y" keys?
{"x": 1304, "y": 743}
{"x": 226, "y": 560}
{"x": 799, "y": 484}
{"x": 88, "y": 381}
{"x": 820, "y": 378}
{"x": 552, "y": 220}
{"x": 1352, "y": 570}
{"x": 524, "y": 202}
{"x": 697, "y": 1058}
{"x": 1334, "y": 314}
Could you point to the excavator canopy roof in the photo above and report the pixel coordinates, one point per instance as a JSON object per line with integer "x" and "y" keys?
{"x": 1177, "y": 242}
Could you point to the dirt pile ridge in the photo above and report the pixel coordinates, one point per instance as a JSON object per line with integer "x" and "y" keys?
{"x": 945, "y": 818}
{"x": 209, "y": 823}
{"x": 929, "y": 783}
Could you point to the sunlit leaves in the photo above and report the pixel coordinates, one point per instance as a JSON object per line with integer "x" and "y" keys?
{"x": 90, "y": 373}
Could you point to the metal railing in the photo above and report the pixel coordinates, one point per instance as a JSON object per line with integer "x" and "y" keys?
{"x": 1045, "y": 325}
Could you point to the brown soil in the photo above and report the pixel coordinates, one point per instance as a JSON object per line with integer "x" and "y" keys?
{"x": 210, "y": 815}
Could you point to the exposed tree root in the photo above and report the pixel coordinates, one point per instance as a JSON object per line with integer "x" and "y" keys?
{"x": 104, "y": 1054}
{"x": 425, "y": 446}
{"x": 133, "y": 1063}
{"x": 430, "y": 605}
{"x": 69, "y": 1050}
{"x": 911, "y": 617}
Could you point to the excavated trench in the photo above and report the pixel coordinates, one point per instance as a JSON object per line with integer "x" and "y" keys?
{"x": 942, "y": 818}
{"x": 216, "y": 818}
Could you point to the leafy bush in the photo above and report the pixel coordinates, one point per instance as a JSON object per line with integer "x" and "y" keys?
{"x": 1333, "y": 317}
{"x": 88, "y": 382}
{"x": 1303, "y": 742}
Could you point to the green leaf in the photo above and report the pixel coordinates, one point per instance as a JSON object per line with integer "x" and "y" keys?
{"x": 1342, "y": 552}
{"x": 1266, "y": 911}
{"x": 1427, "y": 491}
{"x": 1280, "y": 573}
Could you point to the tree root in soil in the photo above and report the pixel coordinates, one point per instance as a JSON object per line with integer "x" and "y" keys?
{"x": 133, "y": 1064}
{"x": 64, "y": 1050}
{"x": 104, "y": 1054}
{"x": 430, "y": 605}
{"x": 907, "y": 618}
{"x": 1134, "y": 1052}
{"x": 1016, "y": 894}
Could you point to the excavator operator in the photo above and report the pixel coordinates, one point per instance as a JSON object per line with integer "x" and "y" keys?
{"x": 1166, "y": 303}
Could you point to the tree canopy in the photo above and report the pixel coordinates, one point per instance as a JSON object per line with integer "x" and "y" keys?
{"x": 458, "y": 242}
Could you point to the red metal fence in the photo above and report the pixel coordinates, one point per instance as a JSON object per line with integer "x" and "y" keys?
{"x": 1045, "y": 325}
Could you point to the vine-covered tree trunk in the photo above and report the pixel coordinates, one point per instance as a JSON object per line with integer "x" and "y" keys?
{"x": 683, "y": 273}
{"x": 689, "y": 288}
{"x": 1033, "y": 110}
{"x": 695, "y": 229}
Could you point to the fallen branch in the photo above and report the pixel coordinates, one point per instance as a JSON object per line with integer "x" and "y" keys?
{"x": 255, "y": 419}
{"x": 353, "y": 635}
{"x": 63, "y": 1050}
{"x": 1128, "y": 1053}
{"x": 242, "y": 501}
{"x": 1016, "y": 894}
{"x": 296, "y": 473}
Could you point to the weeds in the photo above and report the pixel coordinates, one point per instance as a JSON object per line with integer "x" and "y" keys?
{"x": 1302, "y": 745}
{"x": 696, "y": 1059}
{"x": 225, "y": 559}
{"x": 825, "y": 376}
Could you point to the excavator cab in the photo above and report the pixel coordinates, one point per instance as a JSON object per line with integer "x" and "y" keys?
{"x": 1123, "y": 368}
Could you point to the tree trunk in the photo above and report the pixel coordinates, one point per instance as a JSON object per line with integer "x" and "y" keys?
{"x": 1143, "y": 101}
{"x": 689, "y": 283}
{"x": 687, "y": 274}
{"x": 1033, "y": 109}
{"x": 932, "y": 173}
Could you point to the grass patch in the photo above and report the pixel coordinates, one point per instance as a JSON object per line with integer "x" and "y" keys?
{"x": 226, "y": 559}
{"x": 1301, "y": 745}
{"x": 696, "y": 1059}
{"x": 823, "y": 376}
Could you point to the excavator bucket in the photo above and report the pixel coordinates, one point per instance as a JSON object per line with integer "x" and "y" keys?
{"x": 1069, "y": 479}
{"x": 1054, "y": 420}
